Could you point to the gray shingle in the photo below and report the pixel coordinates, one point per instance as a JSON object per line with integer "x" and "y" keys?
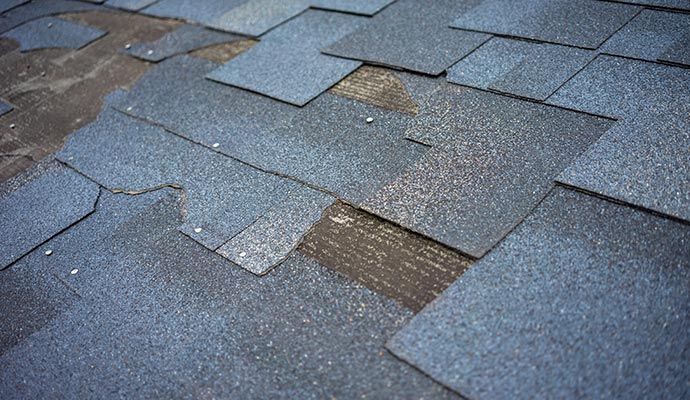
{"x": 493, "y": 159}
{"x": 650, "y": 34}
{"x": 287, "y": 64}
{"x": 326, "y": 143}
{"x": 582, "y": 23}
{"x": 182, "y": 40}
{"x": 203, "y": 11}
{"x": 9, "y": 4}
{"x": 272, "y": 237}
{"x": 364, "y": 7}
{"x": 411, "y": 35}
{"x": 45, "y": 203}
{"x": 132, "y": 5}
{"x": 41, "y": 8}
{"x": 5, "y": 108}
{"x": 520, "y": 68}
{"x": 586, "y": 298}
{"x": 161, "y": 316}
{"x": 677, "y": 4}
{"x": 645, "y": 159}
{"x": 256, "y": 17}
{"x": 51, "y": 32}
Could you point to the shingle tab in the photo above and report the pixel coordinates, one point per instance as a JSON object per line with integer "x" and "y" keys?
{"x": 182, "y": 40}
{"x": 649, "y": 35}
{"x": 51, "y": 32}
{"x": 493, "y": 159}
{"x": 132, "y": 5}
{"x": 326, "y": 143}
{"x": 41, "y": 8}
{"x": 9, "y": 4}
{"x": 582, "y": 23}
{"x": 586, "y": 298}
{"x": 287, "y": 64}
{"x": 411, "y": 35}
{"x": 50, "y": 200}
{"x": 645, "y": 159}
{"x": 203, "y": 11}
{"x": 677, "y": 4}
{"x": 520, "y": 68}
{"x": 5, "y": 108}
{"x": 364, "y": 7}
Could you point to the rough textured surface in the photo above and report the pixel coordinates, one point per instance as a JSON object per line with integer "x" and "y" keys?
{"x": 584, "y": 299}
{"x": 256, "y": 17}
{"x": 402, "y": 36}
{"x": 677, "y": 4}
{"x": 44, "y": 205}
{"x": 287, "y": 64}
{"x": 203, "y": 11}
{"x": 5, "y": 108}
{"x": 382, "y": 256}
{"x": 582, "y": 23}
{"x": 133, "y": 5}
{"x": 364, "y": 7}
{"x": 53, "y": 32}
{"x": 223, "y": 195}
{"x": 157, "y": 324}
{"x": 182, "y": 40}
{"x": 9, "y": 4}
{"x": 645, "y": 159}
{"x": 328, "y": 143}
{"x": 41, "y": 8}
{"x": 649, "y": 35}
{"x": 493, "y": 159}
{"x": 272, "y": 237}
{"x": 519, "y": 68}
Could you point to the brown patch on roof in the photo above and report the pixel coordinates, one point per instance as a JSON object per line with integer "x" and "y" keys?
{"x": 379, "y": 87}
{"x": 383, "y": 257}
{"x": 223, "y": 52}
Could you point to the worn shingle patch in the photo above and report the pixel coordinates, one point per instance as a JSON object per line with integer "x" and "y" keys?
{"x": 41, "y": 8}
{"x": 223, "y": 195}
{"x": 582, "y": 23}
{"x": 520, "y": 68}
{"x": 182, "y": 40}
{"x": 382, "y": 256}
{"x": 327, "y": 143}
{"x": 51, "y": 32}
{"x": 287, "y": 64}
{"x": 493, "y": 159}
{"x": 586, "y": 298}
{"x": 272, "y": 237}
{"x": 652, "y": 35}
{"x": 132, "y": 5}
{"x": 161, "y": 316}
{"x": 47, "y": 203}
{"x": 5, "y": 108}
{"x": 645, "y": 159}
{"x": 411, "y": 35}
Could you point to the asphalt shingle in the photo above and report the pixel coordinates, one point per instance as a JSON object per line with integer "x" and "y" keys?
{"x": 586, "y": 298}
{"x": 582, "y": 23}
{"x": 133, "y": 5}
{"x": 676, "y": 4}
{"x": 493, "y": 159}
{"x": 9, "y": 4}
{"x": 203, "y": 11}
{"x": 364, "y": 7}
{"x": 287, "y": 64}
{"x": 645, "y": 159}
{"x": 51, "y": 32}
{"x": 652, "y": 35}
{"x": 520, "y": 68}
{"x": 41, "y": 8}
{"x": 182, "y": 40}
{"x": 5, "y": 108}
{"x": 411, "y": 35}
{"x": 42, "y": 203}
{"x": 256, "y": 17}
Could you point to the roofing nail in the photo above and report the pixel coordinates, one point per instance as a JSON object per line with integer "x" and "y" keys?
{"x": 128, "y": 46}
{"x": 129, "y": 108}
{"x": 242, "y": 254}
{"x": 49, "y": 252}
{"x": 149, "y": 52}
{"x": 74, "y": 271}
{"x": 215, "y": 145}
{"x": 50, "y": 24}
{"x": 197, "y": 230}
{"x": 12, "y": 126}
{"x": 369, "y": 120}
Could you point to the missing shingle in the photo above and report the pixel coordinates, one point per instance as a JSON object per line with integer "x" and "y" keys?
{"x": 224, "y": 52}
{"x": 379, "y": 87}
{"x": 382, "y": 256}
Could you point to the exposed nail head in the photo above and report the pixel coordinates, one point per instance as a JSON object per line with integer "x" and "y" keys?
{"x": 197, "y": 230}
{"x": 242, "y": 254}
{"x": 370, "y": 120}
{"x": 74, "y": 271}
{"x": 128, "y": 46}
{"x": 49, "y": 252}
{"x": 215, "y": 145}
{"x": 149, "y": 52}
{"x": 12, "y": 126}
{"x": 129, "y": 108}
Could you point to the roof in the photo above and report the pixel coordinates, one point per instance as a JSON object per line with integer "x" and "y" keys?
{"x": 344, "y": 199}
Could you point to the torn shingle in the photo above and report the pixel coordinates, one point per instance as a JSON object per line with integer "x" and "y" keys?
{"x": 327, "y": 143}
{"x": 132, "y": 5}
{"x": 583, "y": 299}
{"x": 493, "y": 158}
{"x": 5, "y": 108}
{"x": 650, "y": 36}
{"x": 383, "y": 257}
{"x": 287, "y": 64}
{"x": 160, "y": 316}
{"x": 412, "y": 36}
{"x": 51, "y": 32}
{"x": 645, "y": 159}
{"x": 582, "y": 23}
{"x": 42, "y": 8}
{"x": 520, "y": 68}
{"x": 50, "y": 201}
{"x": 182, "y": 40}
{"x": 271, "y": 238}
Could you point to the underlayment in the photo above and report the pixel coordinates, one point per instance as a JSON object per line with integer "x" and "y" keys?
{"x": 383, "y": 257}
{"x": 520, "y": 68}
{"x": 405, "y": 37}
{"x": 587, "y": 25}
{"x": 51, "y": 32}
{"x": 300, "y": 332}
{"x": 585, "y": 299}
{"x": 51, "y": 199}
{"x": 645, "y": 159}
{"x": 493, "y": 158}
{"x": 287, "y": 64}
